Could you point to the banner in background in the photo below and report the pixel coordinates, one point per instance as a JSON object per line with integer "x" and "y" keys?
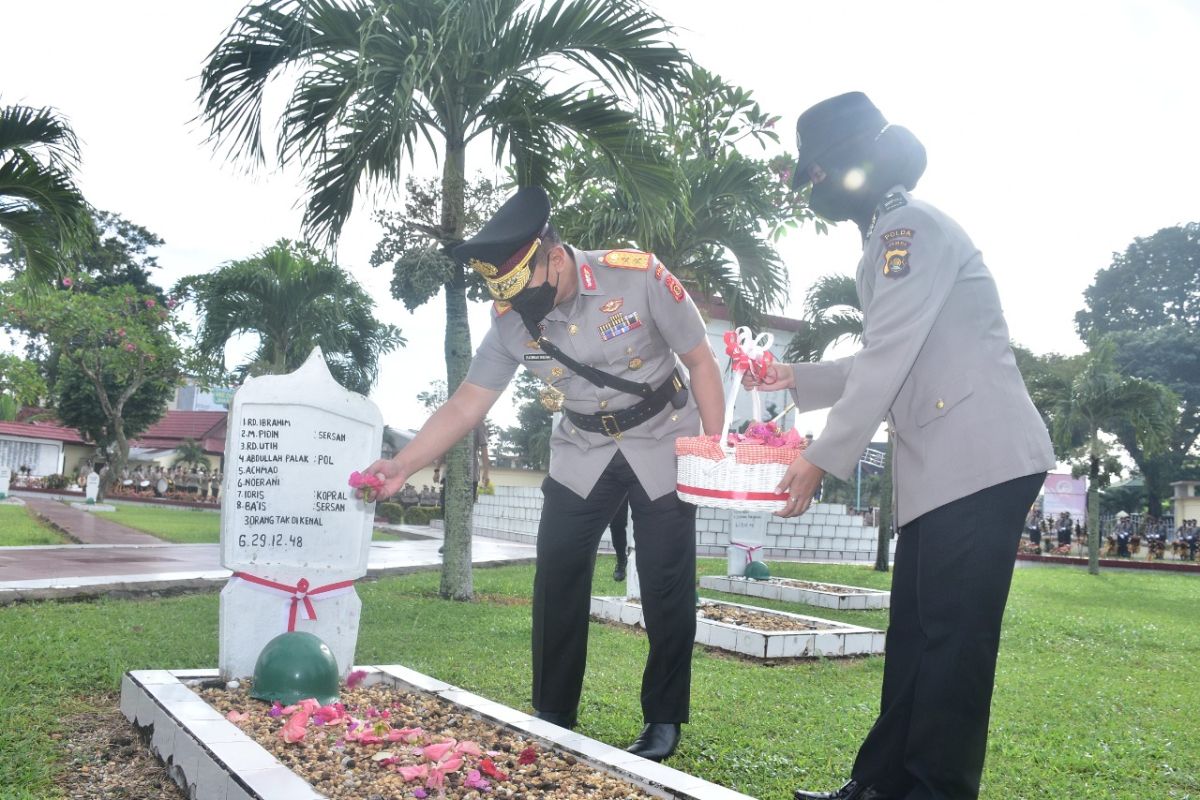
{"x": 1062, "y": 493}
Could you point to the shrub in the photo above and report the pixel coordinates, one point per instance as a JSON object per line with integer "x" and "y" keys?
{"x": 57, "y": 482}
{"x": 392, "y": 512}
{"x": 421, "y": 516}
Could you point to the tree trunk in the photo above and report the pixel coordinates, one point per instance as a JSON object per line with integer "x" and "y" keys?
{"x": 1093, "y": 512}
{"x": 456, "y": 582}
{"x": 885, "y": 520}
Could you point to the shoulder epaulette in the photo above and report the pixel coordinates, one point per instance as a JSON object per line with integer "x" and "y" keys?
{"x": 501, "y": 307}
{"x": 627, "y": 259}
{"x": 893, "y": 201}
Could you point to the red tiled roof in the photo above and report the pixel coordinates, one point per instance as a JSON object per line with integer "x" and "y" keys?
{"x": 206, "y": 427}
{"x": 41, "y": 430}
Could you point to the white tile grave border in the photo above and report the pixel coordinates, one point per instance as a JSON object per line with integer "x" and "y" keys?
{"x": 212, "y": 759}
{"x": 833, "y": 639}
{"x": 857, "y": 600}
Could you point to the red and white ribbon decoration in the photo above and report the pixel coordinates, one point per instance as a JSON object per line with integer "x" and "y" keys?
{"x": 748, "y": 353}
{"x": 301, "y": 593}
{"x": 749, "y": 549}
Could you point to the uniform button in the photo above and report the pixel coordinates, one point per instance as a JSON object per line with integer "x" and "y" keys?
{"x": 604, "y": 404}
{"x": 674, "y": 418}
{"x": 628, "y": 351}
{"x": 573, "y": 329}
{"x": 573, "y": 430}
{"x": 940, "y": 404}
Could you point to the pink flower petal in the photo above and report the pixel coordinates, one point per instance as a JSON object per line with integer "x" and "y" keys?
{"x": 414, "y": 773}
{"x": 356, "y": 677}
{"x": 468, "y": 748}
{"x": 236, "y": 717}
{"x": 295, "y": 728}
{"x": 436, "y": 752}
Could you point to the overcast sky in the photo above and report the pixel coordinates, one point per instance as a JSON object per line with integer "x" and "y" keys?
{"x": 1056, "y": 133}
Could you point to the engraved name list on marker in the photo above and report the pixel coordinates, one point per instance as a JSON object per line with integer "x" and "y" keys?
{"x": 292, "y": 530}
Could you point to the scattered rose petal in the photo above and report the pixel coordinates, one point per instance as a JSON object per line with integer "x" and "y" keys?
{"x": 355, "y": 678}
{"x": 420, "y": 794}
{"x": 415, "y": 773}
{"x": 276, "y": 709}
{"x": 382, "y": 754}
{"x": 489, "y": 768}
{"x": 475, "y": 781}
{"x": 236, "y": 717}
{"x": 295, "y": 728}
{"x": 436, "y": 752}
{"x": 468, "y": 748}
{"x": 528, "y": 756}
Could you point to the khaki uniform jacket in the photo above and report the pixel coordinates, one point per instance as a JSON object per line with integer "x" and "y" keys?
{"x": 629, "y": 319}
{"x": 935, "y": 361}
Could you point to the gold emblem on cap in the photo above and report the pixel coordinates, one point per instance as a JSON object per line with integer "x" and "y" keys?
{"x": 483, "y": 268}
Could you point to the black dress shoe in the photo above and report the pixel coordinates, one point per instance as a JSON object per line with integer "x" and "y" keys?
{"x": 562, "y": 719}
{"x": 657, "y": 741}
{"x": 853, "y": 790}
{"x": 619, "y": 572}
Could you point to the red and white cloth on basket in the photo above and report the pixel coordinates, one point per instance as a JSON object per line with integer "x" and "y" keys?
{"x": 743, "y": 471}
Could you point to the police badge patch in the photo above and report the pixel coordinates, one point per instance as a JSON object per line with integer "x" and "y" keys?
{"x": 895, "y": 252}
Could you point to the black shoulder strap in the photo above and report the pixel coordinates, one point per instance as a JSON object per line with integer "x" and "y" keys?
{"x": 591, "y": 374}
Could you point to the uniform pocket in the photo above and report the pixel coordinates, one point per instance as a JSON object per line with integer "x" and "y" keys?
{"x": 938, "y": 405}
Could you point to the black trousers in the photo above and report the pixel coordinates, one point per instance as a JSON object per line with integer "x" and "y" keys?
{"x": 568, "y": 535}
{"x": 952, "y": 575}
{"x": 619, "y": 528}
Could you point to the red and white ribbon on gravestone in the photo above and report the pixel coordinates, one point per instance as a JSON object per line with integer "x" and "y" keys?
{"x": 302, "y": 592}
{"x": 750, "y": 549}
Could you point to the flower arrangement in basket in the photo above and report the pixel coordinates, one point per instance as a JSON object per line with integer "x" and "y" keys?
{"x": 743, "y": 471}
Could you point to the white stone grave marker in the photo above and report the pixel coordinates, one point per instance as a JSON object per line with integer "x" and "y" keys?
{"x": 93, "y": 488}
{"x": 747, "y": 537}
{"x": 5, "y": 481}
{"x": 292, "y": 530}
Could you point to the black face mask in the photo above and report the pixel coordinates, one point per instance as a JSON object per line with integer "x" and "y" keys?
{"x": 534, "y": 304}
{"x": 832, "y": 200}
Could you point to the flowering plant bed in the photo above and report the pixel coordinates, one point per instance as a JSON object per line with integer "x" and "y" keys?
{"x": 791, "y": 590}
{"x": 758, "y": 632}
{"x": 397, "y": 735}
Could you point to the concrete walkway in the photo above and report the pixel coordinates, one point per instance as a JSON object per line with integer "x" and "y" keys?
{"x": 118, "y": 569}
{"x": 85, "y": 527}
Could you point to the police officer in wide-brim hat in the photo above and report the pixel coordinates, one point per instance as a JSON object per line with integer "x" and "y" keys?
{"x": 608, "y": 332}
{"x": 969, "y": 448}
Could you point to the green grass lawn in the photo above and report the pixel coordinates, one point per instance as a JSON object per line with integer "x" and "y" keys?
{"x": 18, "y": 528}
{"x": 185, "y": 525}
{"x": 1097, "y": 692}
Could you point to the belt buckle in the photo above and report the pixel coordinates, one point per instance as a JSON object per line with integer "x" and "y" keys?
{"x": 605, "y": 421}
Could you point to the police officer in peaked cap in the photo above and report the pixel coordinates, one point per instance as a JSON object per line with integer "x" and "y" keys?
{"x": 608, "y": 333}
{"x": 970, "y": 449}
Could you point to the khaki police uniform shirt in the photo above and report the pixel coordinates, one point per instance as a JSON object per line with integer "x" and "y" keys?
{"x": 629, "y": 318}
{"x": 935, "y": 361}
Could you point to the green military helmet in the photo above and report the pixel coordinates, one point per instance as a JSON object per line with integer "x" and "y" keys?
{"x": 295, "y": 666}
{"x": 757, "y": 571}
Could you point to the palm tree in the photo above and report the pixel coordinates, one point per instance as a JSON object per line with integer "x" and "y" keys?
{"x": 294, "y": 299}
{"x": 1102, "y": 401}
{"x": 42, "y": 213}
{"x": 717, "y": 236}
{"x": 831, "y": 314}
{"x": 190, "y": 453}
{"x": 380, "y": 79}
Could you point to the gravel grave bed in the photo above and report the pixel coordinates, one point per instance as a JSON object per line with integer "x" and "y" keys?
{"x": 386, "y": 736}
{"x": 818, "y": 587}
{"x": 755, "y": 620}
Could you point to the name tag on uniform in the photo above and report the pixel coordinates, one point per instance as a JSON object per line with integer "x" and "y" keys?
{"x": 619, "y": 324}
{"x": 537, "y": 357}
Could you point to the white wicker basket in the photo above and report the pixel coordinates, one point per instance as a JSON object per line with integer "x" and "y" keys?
{"x": 725, "y": 483}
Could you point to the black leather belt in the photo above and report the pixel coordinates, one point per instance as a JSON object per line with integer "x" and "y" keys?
{"x": 672, "y": 391}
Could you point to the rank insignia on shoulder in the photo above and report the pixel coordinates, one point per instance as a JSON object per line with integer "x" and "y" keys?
{"x": 627, "y": 259}
{"x": 658, "y": 271}
{"x": 675, "y": 288}
{"x": 612, "y": 305}
{"x": 893, "y": 201}
{"x": 589, "y": 280}
{"x": 501, "y": 308}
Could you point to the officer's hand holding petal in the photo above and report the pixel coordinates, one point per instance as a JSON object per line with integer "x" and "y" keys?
{"x": 800, "y": 482}
{"x": 392, "y": 476}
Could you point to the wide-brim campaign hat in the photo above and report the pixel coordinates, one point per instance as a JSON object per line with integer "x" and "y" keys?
{"x": 503, "y": 249}
{"x": 831, "y": 123}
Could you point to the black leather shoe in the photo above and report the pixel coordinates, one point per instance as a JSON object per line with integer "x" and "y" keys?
{"x": 562, "y": 719}
{"x": 853, "y": 790}
{"x": 657, "y": 741}
{"x": 619, "y": 572}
